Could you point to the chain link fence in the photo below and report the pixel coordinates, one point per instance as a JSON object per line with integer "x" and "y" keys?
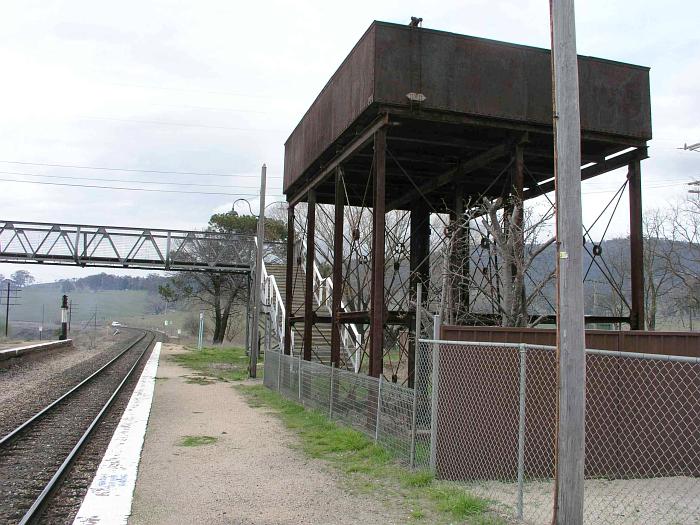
{"x": 496, "y": 427}
{"x": 484, "y": 415}
{"x": 381, "y": 410}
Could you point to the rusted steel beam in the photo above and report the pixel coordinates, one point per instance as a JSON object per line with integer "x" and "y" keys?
{"x": 337, "y": 266}
{"x": 637, "y": 315}
{"x": 450, "y": 175}
{"x": 348, "y": 150}
{"x": 309, "y": 286}
{"x": 289, "y": 292}
{"x": 614, "y": 163}
{"x": 420, "y": 270}
{"x": 376, "y": 343}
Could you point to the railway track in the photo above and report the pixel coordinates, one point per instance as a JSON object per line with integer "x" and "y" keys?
{"x": 36, "y": 456}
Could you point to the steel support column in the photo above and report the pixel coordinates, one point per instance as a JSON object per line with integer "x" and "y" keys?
{"x": 420, "y": 270}
{"x": 337, "y": 267}
{"x": 309, "y": 286}
{"x": 637, "y": 315}
{"x": 377, "y": 307}
{"x": 518, "y": 182}
{"x": 289, "y": 291}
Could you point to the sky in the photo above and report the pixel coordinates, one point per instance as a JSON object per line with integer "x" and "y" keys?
{"x": 215, "y": 88}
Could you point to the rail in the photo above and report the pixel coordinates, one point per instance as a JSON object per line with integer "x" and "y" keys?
{"x": 39, "y": 502}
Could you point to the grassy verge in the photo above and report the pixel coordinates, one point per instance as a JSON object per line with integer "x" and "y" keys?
{"x": 368, "y": 468}
{"x": 216, "y": 363}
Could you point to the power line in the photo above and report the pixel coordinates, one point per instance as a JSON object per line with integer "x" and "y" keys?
{"x": 123, "y": 180}
{"x": 133, "y": 170}
{"x": 180, "y": 124}
{"x": 128, "y": 189}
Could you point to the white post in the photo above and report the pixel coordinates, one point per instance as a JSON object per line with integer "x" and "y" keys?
{"x": 379, "y": 405}
{"x": 435, "y": 377}
{"x": 279, "y": 369}
{"x": 200, "y": 336}
{"x": 521, "y": 434}
{"x": 571, "y": 357}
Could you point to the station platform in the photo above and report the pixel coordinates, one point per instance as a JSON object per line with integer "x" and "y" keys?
{"x": 248, "y": 471}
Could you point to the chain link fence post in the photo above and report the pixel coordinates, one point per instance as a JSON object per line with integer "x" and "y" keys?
{"x": 279, "y": 369}
{"x": 521, "y": 433}
{"x": 330, "y": 396}
{"x": 379, "y": 409}
{"x": 416, "y": 359}
{"x": 299, "y": 381}
{"x": 434, "y": 395}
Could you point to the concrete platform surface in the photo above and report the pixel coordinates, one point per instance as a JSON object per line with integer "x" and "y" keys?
{"x": 249, "y": 475}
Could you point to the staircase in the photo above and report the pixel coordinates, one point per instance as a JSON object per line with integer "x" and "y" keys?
{"x": 321, "y": 350}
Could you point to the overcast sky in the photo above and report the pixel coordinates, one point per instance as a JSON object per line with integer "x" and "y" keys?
{"x": 217, "y": 86}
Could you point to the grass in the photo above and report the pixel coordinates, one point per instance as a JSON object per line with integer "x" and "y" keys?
{"x": 196, "y": 441}
{"x": 215, "y": 364}
{"x": 369, "y": 469}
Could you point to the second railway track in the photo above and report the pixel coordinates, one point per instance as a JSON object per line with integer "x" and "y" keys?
{"x": 38, "y": 453}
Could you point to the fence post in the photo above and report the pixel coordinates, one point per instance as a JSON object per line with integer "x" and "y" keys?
{"x": 521, "y": 433}
{"x": 299, "y": 381}
{"x": 279, "y": 369}
{"x": 330, "y": 401}
{"x": 434, "y": 396}
{"x": 416, "y": 359}
{"x": 379, "y": 405}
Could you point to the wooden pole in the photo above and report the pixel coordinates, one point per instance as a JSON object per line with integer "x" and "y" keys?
{"x": 637, "y": 316}
{"x": 571, "y": 356}
{"x": 257, "y": 285}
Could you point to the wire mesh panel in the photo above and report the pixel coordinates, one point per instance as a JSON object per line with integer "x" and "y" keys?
{"x": 395, "y": 420}
{"x": 494, "y": 430}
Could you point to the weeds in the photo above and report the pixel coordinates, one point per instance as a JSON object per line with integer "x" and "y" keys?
{"x": 220, "y": 363}
{"x": 369, "y": 468}
{"x": 197, "y": 441}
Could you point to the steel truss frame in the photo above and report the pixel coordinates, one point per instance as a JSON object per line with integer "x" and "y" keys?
{"x": 118, "y": 247}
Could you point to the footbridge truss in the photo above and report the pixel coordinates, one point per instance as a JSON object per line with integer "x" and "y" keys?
{"x": 117, "y": 247}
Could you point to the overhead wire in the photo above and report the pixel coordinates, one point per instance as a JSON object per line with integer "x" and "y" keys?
{"x": 134, "y": 170}
{"x": 133, "y": 189}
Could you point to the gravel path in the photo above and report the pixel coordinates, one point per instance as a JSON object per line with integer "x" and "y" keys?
{"x": 250, "y": 475}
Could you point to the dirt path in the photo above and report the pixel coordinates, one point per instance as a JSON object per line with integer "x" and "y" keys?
{"x": 250, "y": 475}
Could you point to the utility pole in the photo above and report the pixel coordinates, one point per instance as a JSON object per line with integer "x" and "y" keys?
{"x": 70, "y": 313}
{"x": 257, "y": 285}
{"x": 41, "y": 327}
{"x": 571, "y": 355}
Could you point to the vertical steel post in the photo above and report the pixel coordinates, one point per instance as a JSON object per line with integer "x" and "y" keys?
{"x": 289, "y": 286}
{"x": 571, "y": 357}
{"x": 377, "y": 307}
{"x": 247, "y": 315}
{"x": 521, "y": 432}
{"x": 257, "y": 285}
{"x": 379, "y": 408}
{"x": 279, "y": 369}
{"x": 309, "y": 283}
{"x": 637, "y": 314}
{"x": 435, "y": 380}
{"x": 330, "y": 395}
{"x": 300, "y": 375}
{"x": 64, "y": 316}
{"x": 416, "y": 361}
{"x": 337, "y": 267}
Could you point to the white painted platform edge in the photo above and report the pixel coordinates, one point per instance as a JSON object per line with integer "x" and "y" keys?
{"x": 108, "y": 500}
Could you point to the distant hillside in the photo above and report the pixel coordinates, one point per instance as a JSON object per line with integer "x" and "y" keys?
{"x": 104, "y": 281}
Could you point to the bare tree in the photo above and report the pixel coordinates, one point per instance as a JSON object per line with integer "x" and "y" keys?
{"x": 658, "y": 274}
